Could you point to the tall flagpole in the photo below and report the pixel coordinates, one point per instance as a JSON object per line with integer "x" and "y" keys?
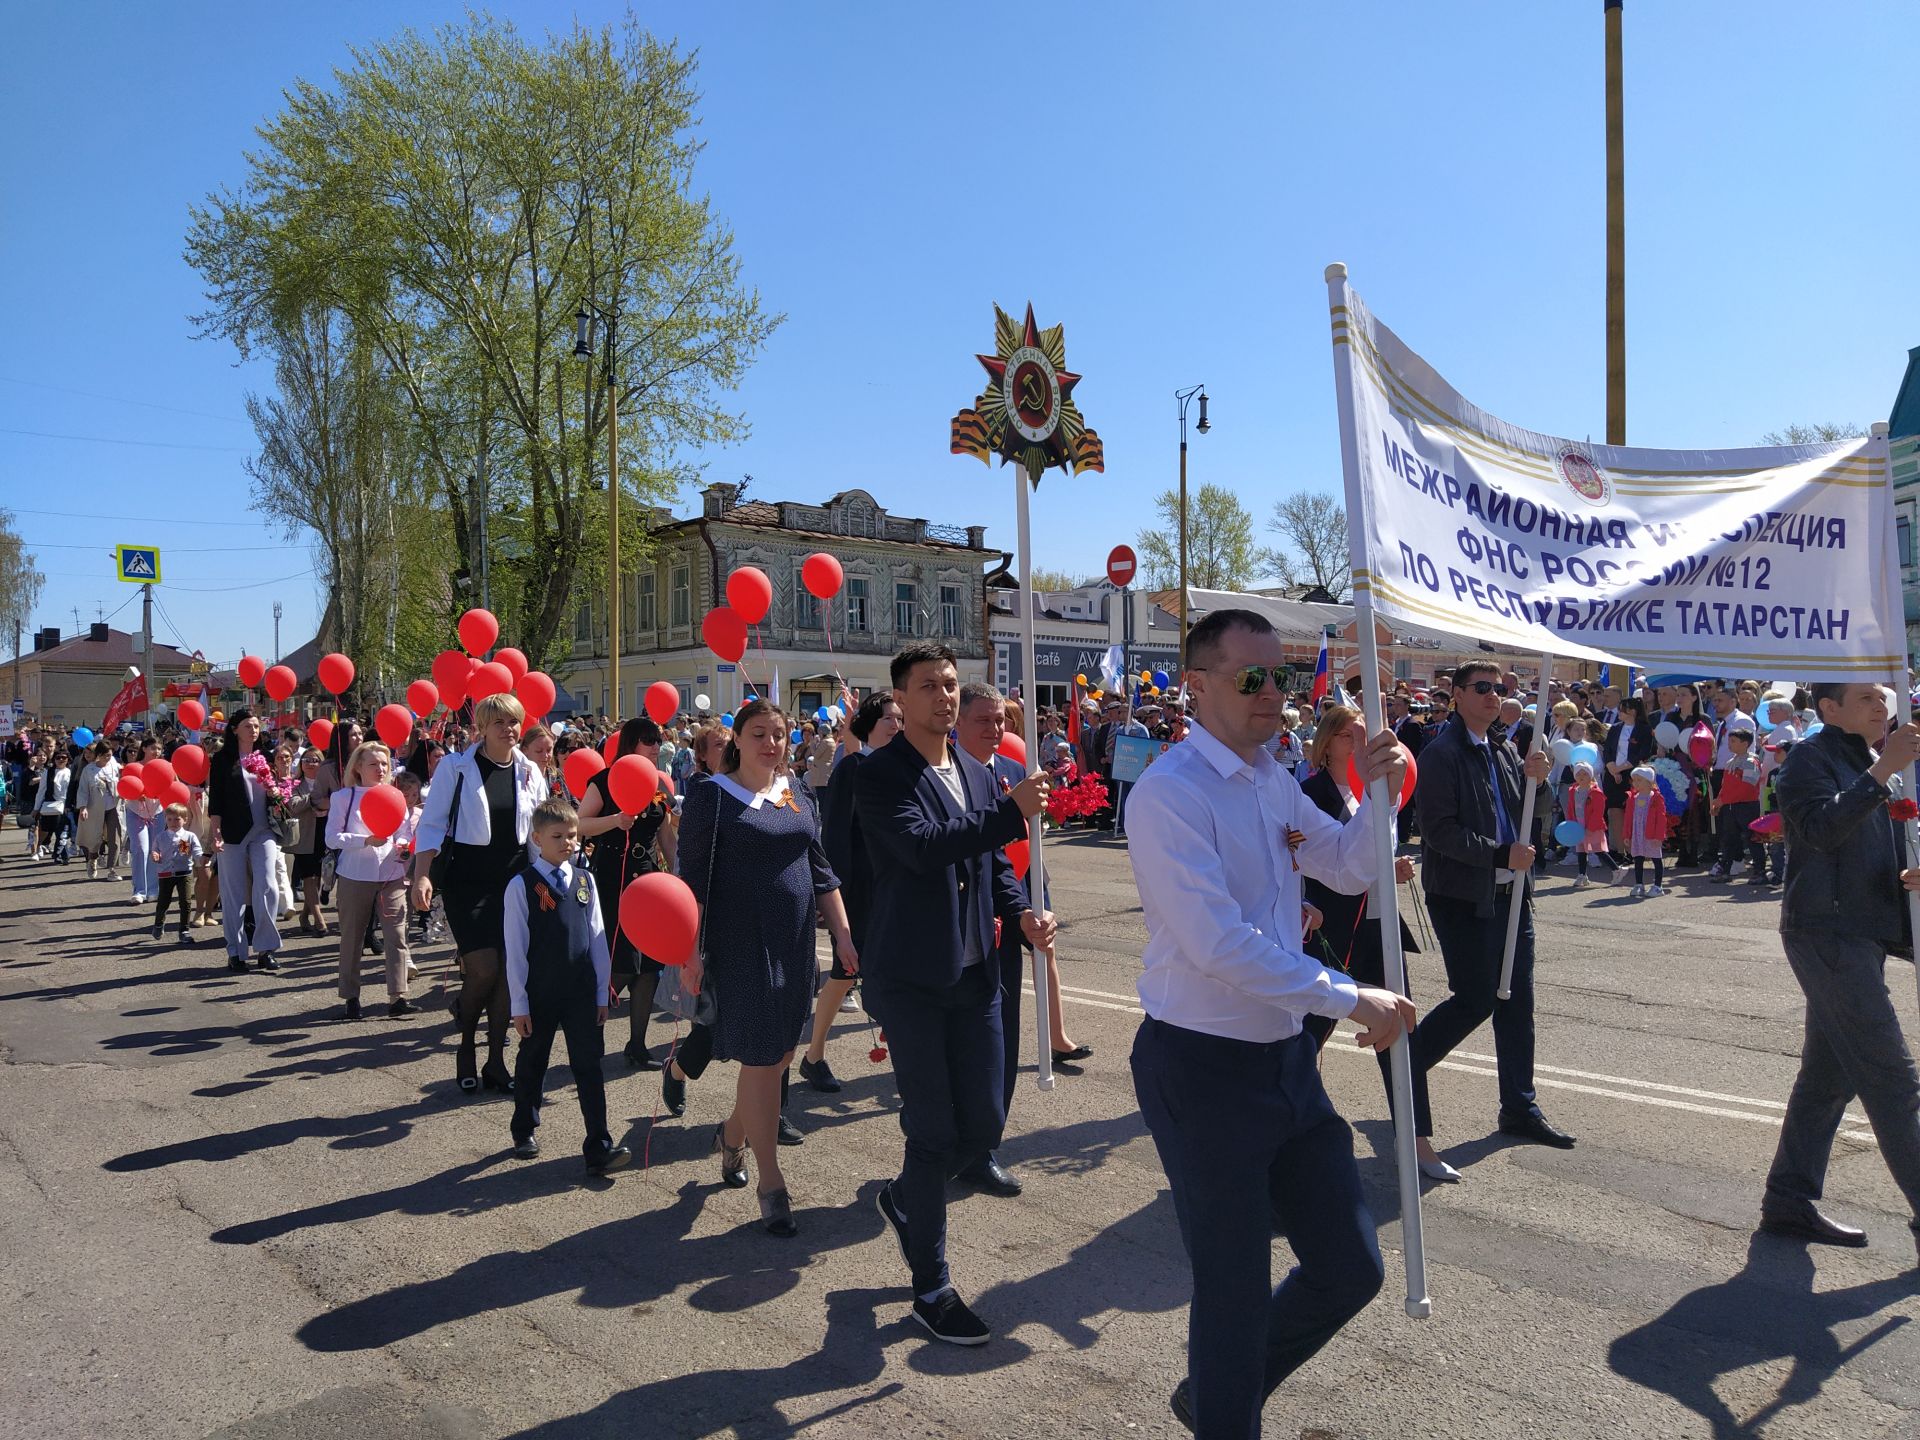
{"x": 1902, "y": 682}
{"x": 1384, "y": 897}
{"x": 1524, "y": 881}
{"x": 1616, "y": 239}
{"x": 1030, "y": 709}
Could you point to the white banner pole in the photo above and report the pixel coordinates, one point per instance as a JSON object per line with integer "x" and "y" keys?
{"x": 1384, "y": 896}
{"x": 1030, "y": 706}
{"x": 1524, "y": 880}
{"x": 1902, "y": 682}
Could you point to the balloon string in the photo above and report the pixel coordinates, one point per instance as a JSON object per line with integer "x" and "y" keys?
{"x": 846, "y": 690}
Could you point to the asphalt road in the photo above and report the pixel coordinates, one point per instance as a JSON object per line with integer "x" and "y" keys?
{"x": 227, "y": 1212}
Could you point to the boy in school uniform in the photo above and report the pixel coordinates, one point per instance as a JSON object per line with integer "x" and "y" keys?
{"x": 558, "y": 966}
{"x": 175, "y": 854}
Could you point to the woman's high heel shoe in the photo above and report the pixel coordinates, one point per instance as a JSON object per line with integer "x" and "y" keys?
{"x": 494, "y": 1076}
{"x": 776, "y": 1213}
{"x": 463, "y": 1067}
{"x": 733, "y": 1160}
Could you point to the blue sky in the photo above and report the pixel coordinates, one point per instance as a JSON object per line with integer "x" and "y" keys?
{"x": 1168, "y": 181}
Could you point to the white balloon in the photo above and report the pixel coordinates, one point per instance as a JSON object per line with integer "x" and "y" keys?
{"x": 1666, "y": 735}
{"x": 703, "y": 702}
{"x": 1562, "y": 748}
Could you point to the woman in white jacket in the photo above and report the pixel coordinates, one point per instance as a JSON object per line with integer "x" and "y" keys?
{"x": 370, "y": 878}
{"x": 481, "y": 808}
{"x": 50, "y": 805}
{"x": 99, "y": 831}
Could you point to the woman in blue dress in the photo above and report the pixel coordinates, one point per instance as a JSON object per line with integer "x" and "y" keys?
{"x": 750, "y": 848}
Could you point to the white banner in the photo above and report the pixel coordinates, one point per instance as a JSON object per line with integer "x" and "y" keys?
{"x": 1713, "y": 562}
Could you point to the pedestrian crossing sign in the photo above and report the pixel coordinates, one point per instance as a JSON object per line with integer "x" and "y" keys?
{"x": 138, "y": 564}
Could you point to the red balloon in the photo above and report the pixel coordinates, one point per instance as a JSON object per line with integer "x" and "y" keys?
{"x": 666, "y": 783}
{"x": 1020, "y": 856}
{"x": 725, "y": 633}
{"x": 335, "y": 672}
{"x": 822, "y": 575}
{"x": 610, "y": 748}
{"x": 193, "y": 715}
{"x": 177, "y": 794}
{"x": 514, "y": 660}
{"x": 382, "y": 808}
{"x": 190, "y": 764}
{"x": 422, "y": 696}
{"x": 320, "y": 734}
{"x": 281, "y": 682}
{"x": 536, "y": 693}
{"x": 1014, "y": 746}
{"x": 156, "y": 776}
{"x": 633, "y": 783}
{"x": 450, "y": 671}
{"x": 128, "y": 787}
{"x": 251, "y": 668}
{"x": 662, "y": 702}
{"x": 660, "y": 916}
{"x": 394, "y": 725}
{"x": 750, "y": 592}
{"x": 136, "y": 770}
{"x": 578, "y": 770}
{"x": 478, "y": 631}
{"x": 1406, "y": 789}
{"x": 492, "y": 678}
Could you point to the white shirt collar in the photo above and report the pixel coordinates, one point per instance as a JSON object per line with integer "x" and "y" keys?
{"x": 772, "y": 796}
{"x": 1223, "y": 760}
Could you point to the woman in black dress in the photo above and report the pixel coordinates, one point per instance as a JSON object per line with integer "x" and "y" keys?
{"x": 481, "y": 806}
{"x": 1347, "y": 930}
{"x": 622, "y": 848}
{"x": 750, "y": 848}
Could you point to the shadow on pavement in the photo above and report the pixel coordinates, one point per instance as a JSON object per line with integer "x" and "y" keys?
{"x": 1768, "y": 1311}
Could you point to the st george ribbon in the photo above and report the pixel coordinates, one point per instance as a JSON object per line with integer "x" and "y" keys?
{"x": 1028, "y": 418}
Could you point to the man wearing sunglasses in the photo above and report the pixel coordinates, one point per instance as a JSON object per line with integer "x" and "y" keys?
{"x": 1221, "y": 838}
{"x": 1473, "y": 864}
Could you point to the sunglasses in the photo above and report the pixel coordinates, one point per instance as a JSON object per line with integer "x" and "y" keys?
{"x": 1250, "y": 679}
{"x": 1485, "y": 687}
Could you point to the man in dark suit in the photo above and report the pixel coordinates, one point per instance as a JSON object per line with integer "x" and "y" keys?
{"x": 935, "y": 824}
{"x": 1412, "y": 734}
{"x": 1473, "y": 866}
{"x": 875, "y": 723}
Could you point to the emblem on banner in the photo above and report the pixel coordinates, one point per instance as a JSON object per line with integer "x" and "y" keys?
{"x": 1582, "y": 476}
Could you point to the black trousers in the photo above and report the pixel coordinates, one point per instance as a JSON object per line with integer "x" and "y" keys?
{"x": 171, "y": 886}
{"x": 578, "y": 1016}
{"x": 1471, "y": 946}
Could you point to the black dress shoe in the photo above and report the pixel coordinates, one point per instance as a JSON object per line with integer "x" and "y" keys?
{"x": 1536, "y": 1129}
{"x": 1182, "y": 1403}
{"x": 991, "y": 1176}
{"x": 617, "y": 1158}
{"x": 268, "y": 963}
{"x": 401, "y": 1007}
{"x": 1073, "y": 1056}
{"x": 237, "y": 964}
{"x": 788, "y": 1133}
{"x": 352, "y": 1009}
{"x": 1814, "y": 1228}
{"x": 494, "y": 1076}
{"x": 527, "y": 1149}
{"x": 673, "y": 1093}
{"x": 820, "y": 1076}
{"x": 638, "y": 1058}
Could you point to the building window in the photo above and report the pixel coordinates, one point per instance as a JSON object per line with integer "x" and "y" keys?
{"x": 806, "y": 607}
{"x": 682, "y": 597}
{"x": 950, "y": 625}
{"x": 647, "y": 619}
{"x": 906, "y": 609}
{"x": 1051, "y": 697}
{"x": 1904, "y": 529}
{"x": 583, "y": 621}
{"x": 856, "y": 604}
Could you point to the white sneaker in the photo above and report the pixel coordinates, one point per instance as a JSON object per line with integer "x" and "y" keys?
{"x": 1583, "y": 882}
{"x": 412, "y": 968}
{"x": 849, "y": 1005}
{"x": 1639, "y": 892}
{"x": 1654, "y": 892}
{"x": 139, "y": 899}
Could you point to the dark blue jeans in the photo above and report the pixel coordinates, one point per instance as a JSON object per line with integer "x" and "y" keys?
{"x": 1471, "y": 946}
{"x": 1246, "y": 1134}
{"x": 948, "y": 1062}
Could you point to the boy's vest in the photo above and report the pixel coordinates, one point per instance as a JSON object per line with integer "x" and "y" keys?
{"x": 559, "y": 941}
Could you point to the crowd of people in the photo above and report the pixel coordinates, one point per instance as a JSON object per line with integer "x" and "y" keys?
{"x": 897, "y": 829}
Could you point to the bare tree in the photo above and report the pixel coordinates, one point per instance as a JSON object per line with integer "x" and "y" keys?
{"x": 1313, "y": 527}
{"x": 1822, "y": 434}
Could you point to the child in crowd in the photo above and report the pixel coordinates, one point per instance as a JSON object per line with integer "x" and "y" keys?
{"x": 1776, "y": 843}
{"x": 1736, "y": 806}
{"x": 174, "y": 855}
{"x": 1586, "y": 806}
{"x": 558, "y": 968}
{"x": 1287, "y": 748}
{"x": 1646, "y": 827}
{"x": 409, "y": 785}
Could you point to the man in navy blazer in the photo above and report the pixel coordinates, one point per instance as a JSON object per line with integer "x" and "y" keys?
{"x": 935, "y": 824}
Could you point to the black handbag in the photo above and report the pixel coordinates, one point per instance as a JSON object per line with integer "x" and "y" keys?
{"x": 437, "y": 872}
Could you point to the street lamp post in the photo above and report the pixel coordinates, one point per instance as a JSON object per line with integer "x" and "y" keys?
{"x": 1202, "y": 425}
{"x": 583, "y": 349}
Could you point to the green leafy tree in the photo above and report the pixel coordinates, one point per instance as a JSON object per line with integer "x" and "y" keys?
{"x": 457, "y": 198}
{"x": 1221, "y": 553}
{"x": 20, "y": 585}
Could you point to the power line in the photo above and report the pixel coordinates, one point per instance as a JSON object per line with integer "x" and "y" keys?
{"x": 222, "y": 589}
{"x": 144, "y": 444}
{"x": 142, "y": 519}
{"x": 120, "y": 400}
{"x": 171, "y": 549}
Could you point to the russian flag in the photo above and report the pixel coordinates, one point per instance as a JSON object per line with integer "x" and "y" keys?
{"x": 1320, "y": 672}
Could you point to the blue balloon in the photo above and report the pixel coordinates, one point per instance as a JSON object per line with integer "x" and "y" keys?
{"x": 751, "y": 697}
{"x": 1160, "y": 679}
{"x": 823, "y": 716}
{"x": 797, "y": 736}
{"x": 1569, "y": 833}
{"x": 727, "y": 720}
{"x": 1588, "y": 753}
{"x": 82, "y": 735}
{"x": 1814, "y": 729}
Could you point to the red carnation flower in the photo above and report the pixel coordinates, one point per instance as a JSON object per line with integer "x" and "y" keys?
{"x": 1904, "y": 810}
{"x": 877, "y": 1054}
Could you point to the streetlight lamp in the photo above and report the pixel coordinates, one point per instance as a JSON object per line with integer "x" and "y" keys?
{"x": 583, "y": 350}
{"x": 1203, "y": 425}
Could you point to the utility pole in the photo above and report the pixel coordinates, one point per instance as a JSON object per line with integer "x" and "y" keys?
{"x": 276, "y": 632}
{"x": 146, "y": 659}
{"x": 1616, "y": 239}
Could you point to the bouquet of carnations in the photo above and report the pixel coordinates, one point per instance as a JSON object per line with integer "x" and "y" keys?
{"x": 279, "y": 793}
{"x": 1084, "y": 797}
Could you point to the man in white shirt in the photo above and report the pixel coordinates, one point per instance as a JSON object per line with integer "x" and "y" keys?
{"x": 1226, "y": 1078}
